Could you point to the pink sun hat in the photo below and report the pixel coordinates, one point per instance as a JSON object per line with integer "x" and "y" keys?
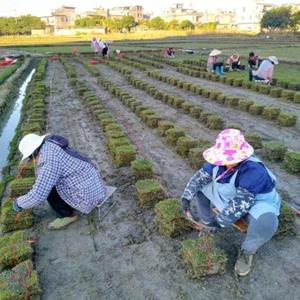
{"x": 230, "y": 148}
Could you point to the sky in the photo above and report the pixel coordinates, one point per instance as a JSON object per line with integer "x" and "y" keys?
{"x": 43, "y": 8}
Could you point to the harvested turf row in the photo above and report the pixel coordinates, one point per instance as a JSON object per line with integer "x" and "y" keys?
{"x": 265, "y": 271}
{"x": 290, "y": 181}
{"x": 247, "y": 122}
{"x": 128, "y": 252}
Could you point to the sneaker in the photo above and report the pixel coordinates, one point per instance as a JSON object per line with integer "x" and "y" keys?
{"x": 62, "y": 222}
{"x": 244, "y": 263}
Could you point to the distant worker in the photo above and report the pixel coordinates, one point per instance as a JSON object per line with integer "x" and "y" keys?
{"x": 234, "y": 62}
{"x": 104, "y": 48}
{"x": 214, "y": 65}
{"x": 252, "y": 63}
{"x": 119, "y": 53}
{"x": 69, "y": 181}
{"x": 265, "y": 70}
{"x": 95, "y": 46}
{"x": 169, "y": 52}
{"x": 238, "y": 185}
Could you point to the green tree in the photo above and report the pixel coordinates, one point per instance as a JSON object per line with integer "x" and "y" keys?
{"x": 157, "y": 23}
{"x": 295, "y": 21}
{"x": 173, "y": 25}
{"x": 187, "y": 25}
{"x": 127, "y": 22}
{"x": 276, "y": 18}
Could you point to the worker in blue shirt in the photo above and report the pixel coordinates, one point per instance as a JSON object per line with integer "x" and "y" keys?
{"x": 238, "y": 185}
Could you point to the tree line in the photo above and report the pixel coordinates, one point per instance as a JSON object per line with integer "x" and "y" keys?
{"x": 20, "y": 25}
{"x": 281, "y": 18}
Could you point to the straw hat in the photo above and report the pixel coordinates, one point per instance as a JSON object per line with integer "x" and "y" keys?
{"x": 29, "y": 143}
{"x": 215, "y": 52}
{"x": 230, "y": 148}
{"x": 273, "y": 59}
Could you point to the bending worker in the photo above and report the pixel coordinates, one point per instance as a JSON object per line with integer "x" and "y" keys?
{"x": 69, "y": 181}
{"x": 265, "y": 70}
{"x": 239, "y": 185}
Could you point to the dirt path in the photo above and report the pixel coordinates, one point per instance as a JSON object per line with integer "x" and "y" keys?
{"x": 165, "y": 276}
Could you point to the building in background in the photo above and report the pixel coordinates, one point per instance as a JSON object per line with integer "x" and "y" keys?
{"x": 96, "y": 12}
{"x": 179, "y": 13}
{"x": 137, "y": 12}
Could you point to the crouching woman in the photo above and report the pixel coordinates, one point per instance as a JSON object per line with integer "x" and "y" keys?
{"x": 69, "y": 181}
{"x": 239, "y": 185}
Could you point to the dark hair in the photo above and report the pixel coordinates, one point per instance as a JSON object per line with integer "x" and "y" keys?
{"x": 251, "y": 53}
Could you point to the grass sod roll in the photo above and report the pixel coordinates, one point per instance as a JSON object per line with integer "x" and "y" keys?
{"x": 149, "y": 192}
{"x": 195, "y": 111}
{"x": 163, "y": 126}
{"x": 231, "y": 101}
{"x": 204, "y": 116}
{"x": 215, "y": 122}
{"x": 21, "y": 186}
{"x": 264, "y": 89}
{"x": 142, "y": 169}
{"x": 245, "y": 104}
{"x": 110, "y": 127}
{"x": 11, "y": 220}
{"x": 288, "y": 95}
{"x": 271, "y": 112}
{"x": 195, "y": 155}
{"x": 286, "y": 119}
{"x": 113, "y": 143}
{"x": 124, "y": 155}
{"x": 254, "y": 139}
{"x": 297, "y": 98}
{"x": 19, "y": 283}
{"x": 291, "y": 162}
{"x": 114, "y": 134}
{"x": 274, "y": 151}
{"x": 12, "y": 254}
{"x": 186, "y": 106}
{"x": 286, "y": 222}
{"x": 173, "y": 134}
{"x": 276, "y": 92}
{"x": 256, "y": 109}
{"x": 152, "y": 121}
{"x": 201, "y": 258}
{"x": 184, "y": 144}
{"x": 26, "y": 169}
{"x": 14, "y": 238}
{"x": 169, "y": 219}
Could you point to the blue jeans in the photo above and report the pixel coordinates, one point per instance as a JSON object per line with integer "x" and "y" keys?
{"x": 259, "y": 230}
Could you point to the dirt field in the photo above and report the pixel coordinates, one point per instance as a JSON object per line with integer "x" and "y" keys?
{"x": 126, "y": 258}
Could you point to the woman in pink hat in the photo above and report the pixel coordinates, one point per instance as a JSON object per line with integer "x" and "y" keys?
{"x": 239, "y": 185}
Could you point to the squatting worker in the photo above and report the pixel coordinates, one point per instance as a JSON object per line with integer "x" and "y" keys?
{"x": 69, "y": 181}
{"x": 265, "y": 69}
{"x": 239, "y": 185}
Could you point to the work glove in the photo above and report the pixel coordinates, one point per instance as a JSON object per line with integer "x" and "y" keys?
{"x": 185, "y": 205}
{"x": 16, "y": 207}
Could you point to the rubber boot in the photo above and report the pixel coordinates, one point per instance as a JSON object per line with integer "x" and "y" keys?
{"x": 217, "y": 72}
{"x": 221, "y": 70}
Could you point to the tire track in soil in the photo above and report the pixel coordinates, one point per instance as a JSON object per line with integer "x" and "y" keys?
{"x": 262, "y": 283}
{"x": 68, "y": 265}
{"x": 288, "y": 183}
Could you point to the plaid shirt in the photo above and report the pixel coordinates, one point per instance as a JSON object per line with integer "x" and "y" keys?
{"x": 77, "y": 182}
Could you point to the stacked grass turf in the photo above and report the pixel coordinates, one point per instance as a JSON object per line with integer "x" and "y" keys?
{"x": 287, "y": 222}
{"x": 201, "y": 258}
{"x": 169, "y": 219}
{"x": 291, "y": 162}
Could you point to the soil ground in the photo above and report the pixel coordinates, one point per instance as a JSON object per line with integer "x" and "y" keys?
{"x": 126, "y": 258}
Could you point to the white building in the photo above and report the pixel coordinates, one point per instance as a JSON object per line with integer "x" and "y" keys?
{"x": 179, "y": 13}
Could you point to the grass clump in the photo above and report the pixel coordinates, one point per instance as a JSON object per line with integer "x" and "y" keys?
{"x": 254, "y": 139}
{"x": 12, "y": 254}
{"x": 149, "y": 192}
{"x": 163, "y": 126}
{"x": 201, "y": 258}
{"x": 271, "y": 112}
{"x": 274, "y": 151}
{"x": 291, "y": 162}
{"x": 287, "y": 222}
{"x": 19, "y": 283}
{"x": 142, "y": 168}
{"x": 11, "y": 220}
{"x": 286, "y": 119}
{"x": 21, "y": 186}
{"x": 245, "y": 104}
{"x": 184, "y": 144}
{"x": 169, "y": 219}
{"x": 124, "y": 155}
{"x": 173, "y": 135}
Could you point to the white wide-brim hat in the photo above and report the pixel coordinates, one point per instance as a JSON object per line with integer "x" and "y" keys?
{"x": 273, "y": 59}
{"x": 215, "y": 52}
{"x": 29, "y": 143}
